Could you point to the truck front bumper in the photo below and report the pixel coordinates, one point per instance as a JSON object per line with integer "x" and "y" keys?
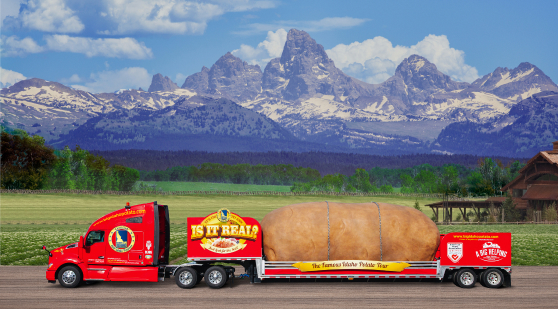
{"x": 51, "y": 275}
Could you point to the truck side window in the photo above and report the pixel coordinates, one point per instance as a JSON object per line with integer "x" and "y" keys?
{"x": 134, "y": 220}
{"x": 94, "y": 237}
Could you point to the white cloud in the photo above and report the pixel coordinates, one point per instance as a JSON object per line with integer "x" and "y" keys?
{"x": 9, "y": 77}
{"x": 128, "y": 48}
{"x": 270, "y": 48}
{"x": 73, "y": 79}
{"x": 123, "y": 17}
{"x": 180, "y": 78}
{"x": 47, "y": 16}
{"x": 9, "y": 8}
{"x": 325, "y": 24}
{"x": 113, "y": 48}
{"x": 375, "y": 60}
{"x": 13, "y": 46}
{"x": 110, "y": 81}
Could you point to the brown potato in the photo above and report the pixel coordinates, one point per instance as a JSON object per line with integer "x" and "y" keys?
{"x": 299, "y": 232}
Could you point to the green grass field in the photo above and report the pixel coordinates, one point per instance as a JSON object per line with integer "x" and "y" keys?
{"x": 30, "y": 221}
{"x": 209, "y": 186}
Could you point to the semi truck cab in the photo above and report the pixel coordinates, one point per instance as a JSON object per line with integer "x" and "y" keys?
{"x": 130, "y": 244}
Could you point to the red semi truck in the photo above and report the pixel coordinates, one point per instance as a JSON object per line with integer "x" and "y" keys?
{"x": 132, "y": 244}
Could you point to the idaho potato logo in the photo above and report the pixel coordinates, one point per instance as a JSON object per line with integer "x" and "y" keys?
{"x": 121, "y": 239}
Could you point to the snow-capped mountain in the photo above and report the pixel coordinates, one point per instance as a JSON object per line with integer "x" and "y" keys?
{"x": 162, "y": 83}
{"x": 229, "y": 77}
{"x": 303, "y": 92}
{"x": 51, "y": 109}
{"x": 530, "y": 125}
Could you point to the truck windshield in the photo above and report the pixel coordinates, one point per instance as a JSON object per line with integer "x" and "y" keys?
{"x": 94, "y": 237}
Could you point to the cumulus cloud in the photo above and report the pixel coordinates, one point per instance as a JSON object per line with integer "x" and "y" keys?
{"x": 375, "y": 60}
{"x": 270, "y": 48}
{"x": 9, "y": 77}
{"x": 123, "y": 17}
{"x": 13, "y": 46}
{"x": 128, "y": 48}
{"x": 72, "y": 79}
{"x": 110, "y": 81}
{"x": 113, "y": 48}
{"x": 46, "y": 16}
{"x": 328, "y": 23}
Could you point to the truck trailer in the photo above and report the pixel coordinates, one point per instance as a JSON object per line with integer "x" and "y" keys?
{"x": 133, "y": 244}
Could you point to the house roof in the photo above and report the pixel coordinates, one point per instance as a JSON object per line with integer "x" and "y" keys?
{"x": 551, "y": 156}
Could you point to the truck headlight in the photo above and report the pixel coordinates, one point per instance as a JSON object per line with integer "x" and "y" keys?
{"x": 50, "y": 265}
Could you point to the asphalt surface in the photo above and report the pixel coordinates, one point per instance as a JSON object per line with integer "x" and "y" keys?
{"x": 26, "y": 287}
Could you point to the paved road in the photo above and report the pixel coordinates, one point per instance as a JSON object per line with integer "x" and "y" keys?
{"x": 26, "y": 287}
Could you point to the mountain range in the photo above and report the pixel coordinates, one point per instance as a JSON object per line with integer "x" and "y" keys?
{"x": 300, "y": 102}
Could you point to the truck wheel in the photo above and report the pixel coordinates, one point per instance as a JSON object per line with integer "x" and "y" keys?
{"x": 493, "y": 278}
{"x": 466, "y": 278}
{"x": 454, "y": 277}
{"x": 69, "y": 276}
{"x": 215, "y": 277}
{"x": 186, "y": 277}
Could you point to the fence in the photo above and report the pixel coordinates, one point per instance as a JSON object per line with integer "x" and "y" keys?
{"x": 415, "y": 195}
{"x": 492, "y": 223}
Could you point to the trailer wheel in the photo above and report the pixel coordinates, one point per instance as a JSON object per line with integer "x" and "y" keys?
{"x": 493, "y": 278}
{"x": 69, "y": 276}
{"x": 466, "y": 278}
{"x": 215, "y": 277}
{"x": 186, "y": 277}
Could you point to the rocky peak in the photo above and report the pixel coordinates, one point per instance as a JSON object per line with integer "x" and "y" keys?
{"x": 518, "y": 83}
{"x": 418, "y": 72}
{"x": 198, "y": 81}
{"x": 304, "y": 69}
{"x": 234, "y": 78}
{"x": 160, "y": 83}
{"x": 229, "y": 77}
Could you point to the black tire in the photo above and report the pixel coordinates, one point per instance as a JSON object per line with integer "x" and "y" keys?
{"x": 466, "y": 278}
{"x": 186, "y": 277}
{"x": 454, "y": 277}
{"x": 493, "y": 278}
{"x": 215, "y": 277}
{"x": 69, "y": 276}
{"x": 481, "y": 279}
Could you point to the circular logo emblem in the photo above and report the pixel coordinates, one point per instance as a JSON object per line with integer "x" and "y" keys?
{"x": 224, "y": 215}
{"x": 121, "y": 239}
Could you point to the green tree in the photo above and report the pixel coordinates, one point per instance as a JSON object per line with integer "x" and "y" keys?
{"x": 25, "y": 160}
{"x": 360, "y": 181}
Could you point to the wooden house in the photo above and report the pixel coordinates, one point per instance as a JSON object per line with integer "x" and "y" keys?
{"x": 537, "y": 185}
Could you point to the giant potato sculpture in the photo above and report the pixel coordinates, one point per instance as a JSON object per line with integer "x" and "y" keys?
{"x": 299, "y": 232}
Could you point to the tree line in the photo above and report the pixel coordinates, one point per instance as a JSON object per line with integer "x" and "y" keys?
{"x": 324, "y": 162}
{"x": 277, "y": 174}
{"x": 485, "y": 179}
{"x": 27, "y": 163}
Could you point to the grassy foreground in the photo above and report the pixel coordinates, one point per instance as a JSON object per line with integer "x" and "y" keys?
{"x": 30, "y": 221}
{"x": 210, "y": 186}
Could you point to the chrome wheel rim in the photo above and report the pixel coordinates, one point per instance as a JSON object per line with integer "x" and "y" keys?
{"x": 215, "y": 277}
{"x": 69, "y": 277}
{"x": 185, "y": 277}
{"x": 493, "y": 278}
{"x": 466, "y": 278}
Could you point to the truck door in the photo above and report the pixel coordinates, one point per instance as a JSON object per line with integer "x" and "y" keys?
{"x": 94, "y": 255}
{"x": 95, "y": 246}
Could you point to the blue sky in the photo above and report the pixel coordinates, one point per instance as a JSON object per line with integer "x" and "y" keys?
{"x": 106, "y": 45}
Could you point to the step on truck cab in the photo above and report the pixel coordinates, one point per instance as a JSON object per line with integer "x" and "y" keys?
{"x": 132, "y": 244}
